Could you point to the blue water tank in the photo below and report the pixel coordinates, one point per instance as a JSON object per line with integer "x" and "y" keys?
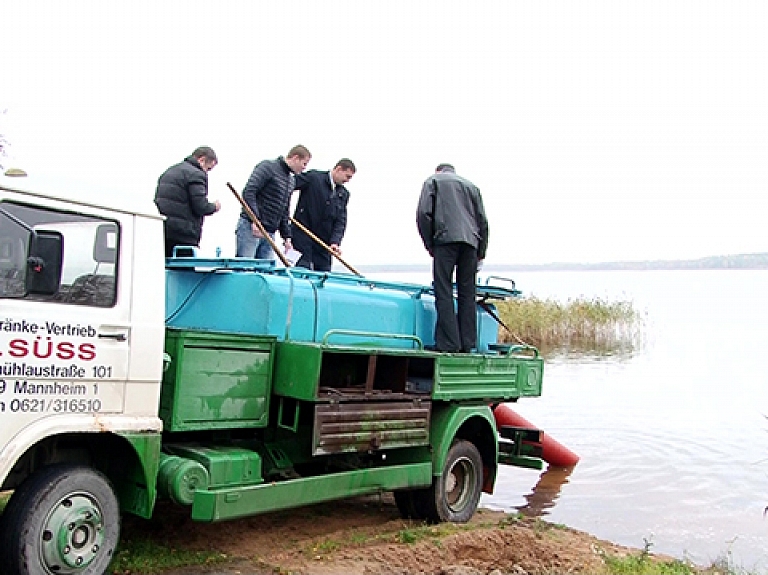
{"x": 256, "y": 297}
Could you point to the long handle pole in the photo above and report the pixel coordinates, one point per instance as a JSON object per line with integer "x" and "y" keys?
{"x": 320, "y": 242}
{"x": 489, "y": 310}
{"x": 256, "y": 221}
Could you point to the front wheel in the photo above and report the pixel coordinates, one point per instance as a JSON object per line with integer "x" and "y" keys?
{"x": 455, "y": 494}
{"x": 64, "y": 520}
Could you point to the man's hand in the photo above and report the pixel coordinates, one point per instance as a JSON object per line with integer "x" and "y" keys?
{"x": 217, "y": 203}
{"x": 287, "y": 244}
{"x": 335, "y": 249}
{"x": 256, "y": 231}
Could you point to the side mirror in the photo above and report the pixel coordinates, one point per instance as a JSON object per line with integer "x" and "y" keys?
{"x": 44, "y": 262}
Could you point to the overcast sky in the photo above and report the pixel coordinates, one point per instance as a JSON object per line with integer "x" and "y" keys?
{"x": 596, "y": 131}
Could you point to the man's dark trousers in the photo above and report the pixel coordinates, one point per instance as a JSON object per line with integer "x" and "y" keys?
{"x": 314, "y": 260}
{"x": 452, "y": 332}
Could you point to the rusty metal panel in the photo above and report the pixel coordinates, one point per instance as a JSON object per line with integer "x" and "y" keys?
{"x": 348, "y": 427}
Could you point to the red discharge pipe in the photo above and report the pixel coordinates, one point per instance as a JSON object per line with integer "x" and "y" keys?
{"x": 553, "y": 452}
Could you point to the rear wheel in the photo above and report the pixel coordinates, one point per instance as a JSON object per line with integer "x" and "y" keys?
{"x": 64, "y": 520}
{"x": 455, "y": 494}
{"x": 409, "y": 503}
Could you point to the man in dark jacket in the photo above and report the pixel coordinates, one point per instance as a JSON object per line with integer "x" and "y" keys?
{"x": 322, "y": 209}
{"x": 182, "y": 197}
{"x": 453, "y": 226}
{"x": 268, "y": 194}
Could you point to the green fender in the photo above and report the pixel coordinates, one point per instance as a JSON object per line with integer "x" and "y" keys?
{"x": 140, "y": 501}
{"x": 472, "y": 422}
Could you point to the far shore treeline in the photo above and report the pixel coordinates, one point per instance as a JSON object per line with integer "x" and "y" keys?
{"x": 758, "y": 261}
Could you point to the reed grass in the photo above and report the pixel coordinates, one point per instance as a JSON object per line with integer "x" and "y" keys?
{"x": 578, "y": 324}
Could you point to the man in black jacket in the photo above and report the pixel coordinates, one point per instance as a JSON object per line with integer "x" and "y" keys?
{"x": 322, "y": 209}
{"x": 268, "y": 194}
{"x": 182, "y": 197}
{"x": 453, "y": 226}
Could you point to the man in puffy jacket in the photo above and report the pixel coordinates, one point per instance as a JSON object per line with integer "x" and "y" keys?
{"x": 182, "y": 197}
{"x": 322, "y": 209}
{"x": 453, "y": 226}
{"x": 268, "y": 194}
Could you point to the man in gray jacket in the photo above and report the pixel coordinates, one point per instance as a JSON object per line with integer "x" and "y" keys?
{"x": 453, "y": 226}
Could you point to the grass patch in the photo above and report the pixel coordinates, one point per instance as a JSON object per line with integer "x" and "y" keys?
{"x": 643, "y": 563}
{"x": 635, "y": 565}
{"x": 416, "y": 533}
{"x": 410, "y": 534}
{"x": 326, "y": 547}
{"x": 511, "y": 519}
{"x": 143, "y": 556}
{"x": 578, "y": 324}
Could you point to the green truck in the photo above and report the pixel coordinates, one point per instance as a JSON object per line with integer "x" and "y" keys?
{"x": 231, "y": 387}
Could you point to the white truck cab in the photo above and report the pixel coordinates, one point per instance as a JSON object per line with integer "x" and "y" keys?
{"x": 81, "y": 337}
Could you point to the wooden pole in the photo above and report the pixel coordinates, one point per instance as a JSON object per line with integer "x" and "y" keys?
{"x": 256, "y": 221}
{"x": 306, "y": 230}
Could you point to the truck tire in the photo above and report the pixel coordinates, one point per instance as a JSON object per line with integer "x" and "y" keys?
{"x": 64, "y": 520}
{"x": 406, "y": 504}
{"x": 455, "y": 494}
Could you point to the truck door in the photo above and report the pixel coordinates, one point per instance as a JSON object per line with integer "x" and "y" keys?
{"x": 64, "y": 312}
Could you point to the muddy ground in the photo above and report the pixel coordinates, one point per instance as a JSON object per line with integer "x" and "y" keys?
{"x": 366, "y": 536}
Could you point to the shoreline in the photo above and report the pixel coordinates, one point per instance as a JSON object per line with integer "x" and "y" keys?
{"x": 366, "y": 536}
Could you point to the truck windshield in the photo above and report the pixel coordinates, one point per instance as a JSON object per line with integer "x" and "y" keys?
{"x": 89, "y": 253}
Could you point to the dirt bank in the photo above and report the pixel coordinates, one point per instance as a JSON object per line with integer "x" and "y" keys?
{"x": 366, "y": 536}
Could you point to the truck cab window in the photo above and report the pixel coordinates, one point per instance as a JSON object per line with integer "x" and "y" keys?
{"x": 13, "y": 266}
{"x": 89, "y": 247}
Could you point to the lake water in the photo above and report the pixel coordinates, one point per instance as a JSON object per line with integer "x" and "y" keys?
{"x": 673, "y": 437}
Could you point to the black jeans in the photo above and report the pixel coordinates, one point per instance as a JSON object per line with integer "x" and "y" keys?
{"x": 315, "y": 259}
{"x": 455, "y": 332}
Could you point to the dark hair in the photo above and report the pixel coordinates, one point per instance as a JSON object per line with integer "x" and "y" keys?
{"x": 205, "y": 152}
{"x": 345, "y": 164}
{"x": 445, "y": 168}
{"x": 300, "y": 151}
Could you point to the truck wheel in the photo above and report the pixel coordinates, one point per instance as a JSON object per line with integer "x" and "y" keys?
{"x": 406, "y": 504}
{"x": 64, "y": 520}
{"x": 455, "y": 494}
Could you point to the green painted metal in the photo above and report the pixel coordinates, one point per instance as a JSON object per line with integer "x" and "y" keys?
{"x": 302, "y": 367}
{"x": 297, "y": 370}
{"x": 220, "y": 504}
{"x": 527, "y": 462}
{"x": 139, "y": 496}
{"x": 179, "y": 478}
{"x": 74, "y": 524}
{"x": 216, "y": 381}
{"x": 521, "y": 447}
{"x": 490, "y": 377}
{"x": 416, "y": 341}
{"x": 447, "y": 419}
{"x": 288, "y": 412}
{"x": 226, "y": 465}
{"x": 310, "y": 371}
{"x": 333, "y": 402}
